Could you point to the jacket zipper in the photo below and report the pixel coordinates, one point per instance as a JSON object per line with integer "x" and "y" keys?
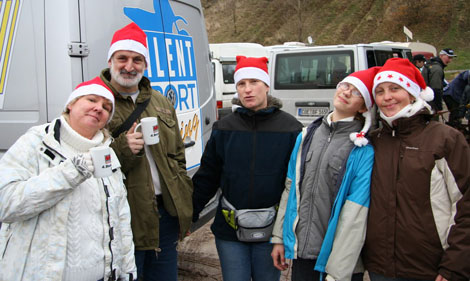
{"x": 6, "y": 246}
{"x": 111, "y": 232}
{"x": 8, "y": 241}
{"x": 253, "y": 161}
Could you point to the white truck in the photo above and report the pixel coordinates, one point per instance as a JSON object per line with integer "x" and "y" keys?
{"x": 425, "y": 49}
{"x": 305, "y": 79}
{"x": 223, "y": 57}
{"x": 50, "y": 46}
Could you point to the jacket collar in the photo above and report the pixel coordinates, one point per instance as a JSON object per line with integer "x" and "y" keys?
{"x": 354, "y": 125}
{"x": 52, "y": 147}
{"x": 438, "y": 60}
{"x": 408, "y": 125}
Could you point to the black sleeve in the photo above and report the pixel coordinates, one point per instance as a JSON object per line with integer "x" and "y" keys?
{"x": 206, "y": 181}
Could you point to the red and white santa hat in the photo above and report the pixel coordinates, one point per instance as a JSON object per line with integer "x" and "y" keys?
{"x": 363, "y": 80}
{"x": 95, "y": 86}
{"x": 130, "y": 38}
{"x": 403, "y": 73}
{"x": 251, "y": 68}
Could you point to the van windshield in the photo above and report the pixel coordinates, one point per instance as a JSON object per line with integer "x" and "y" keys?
{"x": 312, "y": 70}
{"x": 228, "y": 69}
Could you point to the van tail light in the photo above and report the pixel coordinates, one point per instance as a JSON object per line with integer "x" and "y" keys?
{"x": 219, "y": 104}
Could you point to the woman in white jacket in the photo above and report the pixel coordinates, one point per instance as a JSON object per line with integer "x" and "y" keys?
{"x": 60, "y": 222}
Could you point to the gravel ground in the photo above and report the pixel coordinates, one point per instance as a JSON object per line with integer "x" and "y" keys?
{"x": 198, "y": 259}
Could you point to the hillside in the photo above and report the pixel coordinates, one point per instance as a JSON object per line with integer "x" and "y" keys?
{"x": 441, "y": 23}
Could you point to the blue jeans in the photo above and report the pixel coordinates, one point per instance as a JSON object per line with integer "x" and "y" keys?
{"x": 161, "y": 266}
{"x": 378, "y": 277}
{"x": 242, "y": 261}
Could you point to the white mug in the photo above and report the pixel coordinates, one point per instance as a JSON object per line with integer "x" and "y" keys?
{"x": 101, "y": 157}
{"x": 149, "y": 130}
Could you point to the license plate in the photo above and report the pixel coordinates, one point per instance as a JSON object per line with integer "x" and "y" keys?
{"x": 312, "y": 111}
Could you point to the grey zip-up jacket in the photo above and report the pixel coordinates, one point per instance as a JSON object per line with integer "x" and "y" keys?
{"x": 326, "y": 156}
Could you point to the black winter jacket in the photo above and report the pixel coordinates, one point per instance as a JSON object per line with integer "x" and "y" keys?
{"x": 246, "y": 156}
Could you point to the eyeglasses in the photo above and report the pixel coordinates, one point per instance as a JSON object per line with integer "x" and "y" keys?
{"x": 345, "y": 86}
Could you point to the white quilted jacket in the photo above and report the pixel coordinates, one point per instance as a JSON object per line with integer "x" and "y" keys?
{"x": 36, "y": 184}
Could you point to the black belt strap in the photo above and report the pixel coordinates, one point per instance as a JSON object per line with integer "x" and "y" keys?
{"x": 126, "y": 125}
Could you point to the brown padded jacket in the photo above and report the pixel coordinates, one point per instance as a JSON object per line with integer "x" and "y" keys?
{"x": 419, "y": 216}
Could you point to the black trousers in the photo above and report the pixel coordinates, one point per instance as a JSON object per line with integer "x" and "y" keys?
{"x": 302, "y": 270}
{"x": 436, "y": 103}
{"x": 453, "y": 107}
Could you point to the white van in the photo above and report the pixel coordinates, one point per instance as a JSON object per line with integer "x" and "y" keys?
{"x": 51, "y": 46}
{"x": 223, "y": 56}
{"x": 48, "y": 47}
{"x": 305, "y": 79}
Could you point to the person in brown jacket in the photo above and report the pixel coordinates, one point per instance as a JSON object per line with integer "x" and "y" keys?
{"x": 419, "y": 216}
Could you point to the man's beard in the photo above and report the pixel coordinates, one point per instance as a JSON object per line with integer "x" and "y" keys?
{"x": 126, "y": 82}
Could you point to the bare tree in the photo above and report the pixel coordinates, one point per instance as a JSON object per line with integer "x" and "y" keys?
{"x": 298, "y": 7}
{"x": 233, "y": 6}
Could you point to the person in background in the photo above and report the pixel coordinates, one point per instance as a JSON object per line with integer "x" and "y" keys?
{"x": 453, "y": 95}
{"x": 433, "y": 75}
{"x": 60, "y": 222}
{"x": 246, "y": 156}
{"x": 464, "y": 110}
{"x": 419, "y": 60}
{"x": 322, "y": 216}
{"x": 419, "y": 216}
{"x": 159, "y": 190}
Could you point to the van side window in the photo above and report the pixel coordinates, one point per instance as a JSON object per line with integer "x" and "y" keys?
{"x": 228, "y": 69}
{"x": 318, "y": 70}
{"x": 379, "y": 57}
{"x": 371, "y": 59}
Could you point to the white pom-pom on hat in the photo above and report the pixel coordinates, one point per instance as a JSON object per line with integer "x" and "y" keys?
{"x": 427, "y": 94}
{"x": 360, "y": 139}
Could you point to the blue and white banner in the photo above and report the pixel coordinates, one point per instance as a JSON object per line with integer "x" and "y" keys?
{"x": 172, "y": 69}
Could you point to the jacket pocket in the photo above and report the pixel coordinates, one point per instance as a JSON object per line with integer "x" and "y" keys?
{"x": 334, "y": 167}
{"x": 168, "y": 130}
{"x": 167, "y": 120}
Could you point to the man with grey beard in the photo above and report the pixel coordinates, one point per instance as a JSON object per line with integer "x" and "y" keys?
{"x": 159, "y": 190}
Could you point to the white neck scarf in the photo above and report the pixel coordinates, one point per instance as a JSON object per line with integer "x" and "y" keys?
{"x": 406, "y": 111}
